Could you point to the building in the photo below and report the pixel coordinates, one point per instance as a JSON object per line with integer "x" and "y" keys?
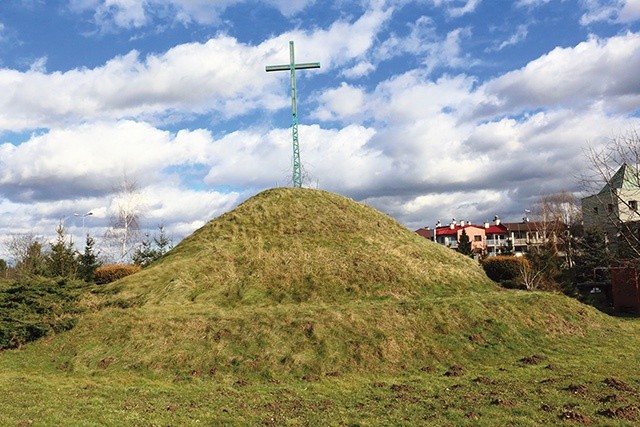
{"x": 495, "y": 238}
{"x": 616, "y": 202}
{"x": 614, "y": 209}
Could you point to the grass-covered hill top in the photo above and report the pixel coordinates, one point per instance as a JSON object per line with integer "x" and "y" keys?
{"x": 301, "y": 245}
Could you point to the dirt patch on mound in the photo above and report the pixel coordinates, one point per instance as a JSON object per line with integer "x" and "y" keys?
{"x": 629, "y": 413}
{"x": 533, "y": 360}
{"x": 617, "y": 384}
{"x": 571, "y": 415}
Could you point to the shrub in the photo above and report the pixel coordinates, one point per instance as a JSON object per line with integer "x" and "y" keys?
{"x": 503, "y": 268}
{"x": 36, "y": 307}
{"x": 111, "y": 273}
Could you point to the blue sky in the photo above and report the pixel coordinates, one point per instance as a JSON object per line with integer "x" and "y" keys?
{"x": 424, "y": 109}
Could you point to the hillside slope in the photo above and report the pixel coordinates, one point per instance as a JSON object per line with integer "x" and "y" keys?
{"x": 297, "y": 282}
{"x": 301, "y": 245}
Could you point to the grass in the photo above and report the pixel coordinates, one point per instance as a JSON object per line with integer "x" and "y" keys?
{"x": 305, "y": 308}
{"x": 549, "y": 387}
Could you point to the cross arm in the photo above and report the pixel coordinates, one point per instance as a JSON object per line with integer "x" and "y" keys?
{"x": 287, "y": 67}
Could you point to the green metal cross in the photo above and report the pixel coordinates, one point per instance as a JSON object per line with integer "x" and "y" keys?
{"x": 292, "y": 66}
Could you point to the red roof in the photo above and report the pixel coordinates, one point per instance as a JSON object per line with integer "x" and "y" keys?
{"x": 496, "y": 229}
{"x": 448, "y": 231}
{"x": 428, "y": 234}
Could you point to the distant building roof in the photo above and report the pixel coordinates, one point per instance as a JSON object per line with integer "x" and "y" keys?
{"x": 626, "y": 177}
{"x": 425, "y": 232}
{"x": 446, "y": 230}
{"x": 496, "y": 229}
{"x": 534, "y": 226}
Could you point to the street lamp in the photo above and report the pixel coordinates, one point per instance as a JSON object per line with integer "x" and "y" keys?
{"x": 83, "y": 216}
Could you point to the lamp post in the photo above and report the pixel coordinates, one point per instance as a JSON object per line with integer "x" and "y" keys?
{"x": 83, "y": 216}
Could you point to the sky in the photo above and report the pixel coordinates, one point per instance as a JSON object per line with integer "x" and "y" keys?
{"x": 426, "y": 110}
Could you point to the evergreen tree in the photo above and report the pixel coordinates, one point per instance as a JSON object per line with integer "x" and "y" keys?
{"x": 145, "y": 253}
{"x": 88, "y": 260}
{"x": 151, "y": 249}
{"x": 508, "y": 247}
{"x": 61, "y": 261}
{"x": 163, "y": 242}
{"x": 464, "y": 244}
{"x": 592, "y": 254}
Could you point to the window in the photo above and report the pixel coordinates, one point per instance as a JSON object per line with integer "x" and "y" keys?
{"x": 610, "y": 208}
{"x": 633, "y": 205}
{"x": 595, "y": 209}
{"x": 477, "y": 238}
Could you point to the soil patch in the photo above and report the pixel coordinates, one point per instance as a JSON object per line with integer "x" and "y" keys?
{"x": 578, "y": 389}
{"x": 571, "y": 415}
{"x": 455, "y": 371}
{"x": 533, "y": 360}
{"x": 617, "y": 384}
{"x": 629, "y": 413}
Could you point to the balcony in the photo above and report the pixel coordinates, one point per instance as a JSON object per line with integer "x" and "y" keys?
{"x": 496, "y": 242}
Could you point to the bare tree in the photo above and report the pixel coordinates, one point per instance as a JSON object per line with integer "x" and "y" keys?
{"x": 558, "y": 216}
{"x": 126, "y": 211}
{"x": 613, "y": 179}
{"x": 27, "y": 252}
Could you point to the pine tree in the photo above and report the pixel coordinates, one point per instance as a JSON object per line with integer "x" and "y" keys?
{"x": 464, "y": 245}
{"x": 61, "y": 261}
{"x": 592, "y": 254}
{"x": 152, "y": 249}
{"x": 88, "y": 260}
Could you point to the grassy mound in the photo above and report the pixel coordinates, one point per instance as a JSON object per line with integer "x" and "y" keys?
{"x": 298, "y": 282}
{"x": 301, "y": 307}
{"x": 300, "y": 245}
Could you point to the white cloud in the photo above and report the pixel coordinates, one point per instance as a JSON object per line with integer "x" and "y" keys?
{"x": 594, "y": 71}
{"x": 92, "y": 158}
{"x": 341, "y": 103}
{"x": 521, "y": 33}
{"x": 468, "y": 7}
{"x": 621, "y": 11}
{"x": 423, "y": 41}
{"x": 112, "y": 15}
{"x": 531, "y": 3}
{"x": 221, "y": 76}
{"x": 630, "y": 11}
{"x": 359, "y": 70}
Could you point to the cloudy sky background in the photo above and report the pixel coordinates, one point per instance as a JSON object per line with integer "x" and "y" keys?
{"x": 424, "y": 109}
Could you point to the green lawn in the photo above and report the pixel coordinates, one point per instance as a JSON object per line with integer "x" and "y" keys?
{"x": 571, "y": 377}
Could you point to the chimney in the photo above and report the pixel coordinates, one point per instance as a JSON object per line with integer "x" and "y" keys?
{"x": 496, "y": 219}
{"x": 486, "y": 224}
{"x": 462, "y": 223}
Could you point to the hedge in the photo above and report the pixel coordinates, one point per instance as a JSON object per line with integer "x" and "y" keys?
{"x": 502, "y": 268}
{"x": 111, "y": 273}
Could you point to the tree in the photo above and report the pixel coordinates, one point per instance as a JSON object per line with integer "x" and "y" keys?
{"x": 592, "y": 255}
{"x": 61, "y": 260}
{"x": 542, "y": 267}
{"x": 151, "y": 249}
{"x": 127, "y": 209}
{"x": 464, "y": 244}
{"x": 557, "y": 218}
{"x": 4, "y": 268}
{"x": 26, "y": 252}
{"x": 88, "y": 260}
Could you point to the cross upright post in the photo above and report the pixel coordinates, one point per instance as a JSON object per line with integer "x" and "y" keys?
{"x": 292, "y": 66}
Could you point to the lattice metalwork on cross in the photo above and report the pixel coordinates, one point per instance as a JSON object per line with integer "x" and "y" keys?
{"x": 292, "y": 67}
